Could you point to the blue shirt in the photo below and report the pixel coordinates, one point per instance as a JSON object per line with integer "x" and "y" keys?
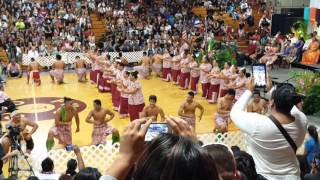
{"x": 312, "y": 149}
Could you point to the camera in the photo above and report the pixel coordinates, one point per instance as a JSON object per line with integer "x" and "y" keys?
{"x": 14, "y": 131}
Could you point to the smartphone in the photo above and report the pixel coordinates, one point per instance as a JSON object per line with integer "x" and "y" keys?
{"x": 259, "y": 73}
{"x": 156, "y": 129}
{"x": 69, "y": 147}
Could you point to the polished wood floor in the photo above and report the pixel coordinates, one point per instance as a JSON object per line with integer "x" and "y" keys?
{"x": 169, "y": 98}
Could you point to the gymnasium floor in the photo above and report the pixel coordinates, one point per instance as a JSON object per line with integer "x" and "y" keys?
{"x": 40, "y": 102}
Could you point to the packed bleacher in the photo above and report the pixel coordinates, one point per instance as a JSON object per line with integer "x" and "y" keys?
{"x": 51, "y": 27}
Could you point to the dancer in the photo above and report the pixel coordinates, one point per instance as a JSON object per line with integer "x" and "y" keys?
{"x": 157, "y": 64}
{"x": 223, "y": 111}
{"x": 224, "y": 78}
{"x": 205, "y": 69}
{"x": 17, "y": 121}
{"x": 62, "y": 128}
{"x": 195, "y": 75}
{"x": 14, "y": 70}
{"x": 239, "y": 84}
{"x": 96, "y": 66}
{"x": 144, "y": 68}
{"x": 57, "y": 72}
{"x": 103, "y": 82}
{"x": 34, "y": 72}
{"x": 257, "y": 104}
{"x": 80, "y": 66}
{"x": 101, "y": 129}
{"x": 123, "y": 109}
{"x": 214, "y": 83}
{"x": 187, "y": 110}
{"x": 185, "y": 70}
{"x": 152, "y": 110}
{"x": 135, "y": 99}
{"x": 166, "y": 67}
{"x": 115, "y": 83}
{"x": 176, "y": 69}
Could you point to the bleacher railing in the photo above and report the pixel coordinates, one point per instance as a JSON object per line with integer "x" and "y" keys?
{"x": 69, "y": 57}
{"x": 102, "y": 156}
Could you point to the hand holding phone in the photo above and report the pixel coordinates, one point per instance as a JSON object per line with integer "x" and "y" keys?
{"x": 155, "y": 129}
{"x": 69, "y": 147}
{"x": 259, "y": 74}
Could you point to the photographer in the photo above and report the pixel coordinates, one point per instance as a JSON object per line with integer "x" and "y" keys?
{"x": 17, "y": 130}
{"x": 273, "y": 140}
{"x": 6, "y": 103}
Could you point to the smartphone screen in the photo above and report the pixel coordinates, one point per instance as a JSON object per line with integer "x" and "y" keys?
{"x": 259, "y": 74}
{"x": 69, "y": 147}
{"x": 156, "y": 129}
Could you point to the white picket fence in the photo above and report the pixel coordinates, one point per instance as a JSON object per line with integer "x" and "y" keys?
{"x": 102, "y": 156}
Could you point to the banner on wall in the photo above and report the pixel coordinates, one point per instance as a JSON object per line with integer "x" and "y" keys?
{"x": 315, "y": 4}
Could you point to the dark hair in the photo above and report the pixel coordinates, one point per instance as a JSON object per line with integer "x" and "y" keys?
{"x": 173, "y": 157}
{"x": 127, "y": 73}
{"x": 97, "y": 102}
{"x": 71, "y": 167}
{"x": 88, "y": 173}
{"x": 65, "y": 177}
{"x": 58, "y": 56}
{"x": 243, "y": 70}
{"x": 153, "y": 97}
{"x": 256, "y": 92}
{"x": 134, "y": 74}
{"x": 235, "y": 149}
{"x": 120, "y": 54}
{"x": 144, "y": 53}
{"x": 32, "y": 59}
{"x": 67, "y": 99}
{"x": 229, "y": 63}
{"x": 224, "y": 160}
{"x": 32, "y": 178}
{"x": 304, "y": 166}
{"x": 312, "y": 130}
{"x": 231, "y": 92}
{"x": 246, "y": 165}
{"x": 190, "y": 93}
{"x": 285, "y": 97}
{"x": 47, "y": 165}
{"x": 77, "y": 57}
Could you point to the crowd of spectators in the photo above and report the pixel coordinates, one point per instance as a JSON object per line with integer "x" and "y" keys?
{"x": 40, "y": 28}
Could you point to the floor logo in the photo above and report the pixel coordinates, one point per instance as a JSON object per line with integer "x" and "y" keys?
{"x": 43, "y": 108}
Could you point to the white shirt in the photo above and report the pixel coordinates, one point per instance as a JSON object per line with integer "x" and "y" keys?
{"x": 48, "y": 176}
{"x": 3, "y": 96}
{"x": 272, "y": 154}
{"x": 33, "y": 54}
{"x": 307, "y": 44}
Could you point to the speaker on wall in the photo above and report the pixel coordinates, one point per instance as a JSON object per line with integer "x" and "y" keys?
{"x": 282, "y": 23}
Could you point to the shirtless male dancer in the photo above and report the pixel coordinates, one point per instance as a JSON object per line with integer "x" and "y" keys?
{"x": 152, "y": 110}
{"x": 187, "y": 110}
{"x": 34, "y": 72}
{"x": 225, "y": 104}
{"x": 16, "y": 121}
{"x": 62, "y": 128}
{"x": 144, "y": 68}
{"x": 57, "y": 72}
{"x": 80, "y": 66}
{"x": 157, "y": 64}
{"x": 101, "y": 129}
{"x": 257, "y": 104}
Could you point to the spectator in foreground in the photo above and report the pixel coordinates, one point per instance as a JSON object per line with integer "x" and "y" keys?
{"x": 222, "y": 154}
{"x": 88, "y": 174}
{"x": 312, "y": 146}
{"x": 246, "y": 166}
{"x": 315, "y": 171}
{"x": 274, "y": 156}
{"x": 47, "y": 170}
{"x": 169, "y": 156}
